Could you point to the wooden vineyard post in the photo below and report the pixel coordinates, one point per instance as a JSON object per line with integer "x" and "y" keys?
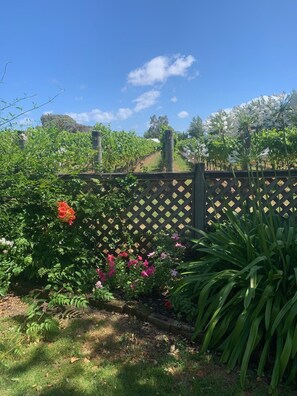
{"x": 22, "y": 139}
{"x": 199, "y": 202}
{"x": 97, "y": 146}
{"x": 169, "y": 150}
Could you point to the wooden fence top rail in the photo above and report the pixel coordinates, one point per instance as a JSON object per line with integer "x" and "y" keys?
{"x": 246, "y": 174}
{"x": 141, "y": 176}
{"x": 185, "y": 175}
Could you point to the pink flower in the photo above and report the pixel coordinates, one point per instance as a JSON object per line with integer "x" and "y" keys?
{"x": 131, "y": 263}
{"x": 139, "y": 258}
{"x": 179, "y": 245}
{"x": 148, "y": 272}
{"x": 101, "y": 275}
{"x": 175, "y": 237}
{"x": 124, "y": 254}
{"x": 151, "y": 254}
{"x": 110, "y": 258}
{"x": 145, "y": 263}
{"x": 163, "y": 256}
{"x": 98, "y": 285}
{"x": 111, "y": 272}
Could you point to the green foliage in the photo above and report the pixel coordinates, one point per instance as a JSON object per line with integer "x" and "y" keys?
{"x": 45, "y": 249}
{"x": 102, "y": 294}
{"x": 245, "y": 287}
{"x": 39, "y": 321}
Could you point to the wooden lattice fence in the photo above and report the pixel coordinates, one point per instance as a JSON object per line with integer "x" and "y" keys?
{"x": 173, "y": 201}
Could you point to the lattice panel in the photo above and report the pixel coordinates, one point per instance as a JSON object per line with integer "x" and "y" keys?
{"x": 235, "y": 193}
{"x": 160, "y": 205}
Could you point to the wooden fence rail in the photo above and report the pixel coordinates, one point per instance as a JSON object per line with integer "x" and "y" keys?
{"x": 173, "y": 201}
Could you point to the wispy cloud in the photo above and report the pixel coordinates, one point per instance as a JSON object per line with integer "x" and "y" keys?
{"x": 146, "y": 100}
{"x": 124, "y": 113}
{"x": 159, "y": 69}
{"x": 78, "y": 98}
{"x": 183, "y": 114}
{"x": 173, "y": 99}
{"x": 97, "y": 115}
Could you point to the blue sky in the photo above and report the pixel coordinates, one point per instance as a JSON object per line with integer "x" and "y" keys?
{"x": 121, "y": 61}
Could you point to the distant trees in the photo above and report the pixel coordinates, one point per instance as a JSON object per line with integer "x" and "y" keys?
{"x": 156, "y": 127}
{"x": 196, "y": 127}
{"x": 62, "y": 122}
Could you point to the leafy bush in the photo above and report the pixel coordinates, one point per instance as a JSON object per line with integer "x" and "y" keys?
{"x": 244, "y": 287}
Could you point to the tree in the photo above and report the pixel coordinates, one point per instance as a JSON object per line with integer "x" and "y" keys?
{"x": 62, "y": 122}
{"x": 155, "y": 128}
{"x": 196, "y": 128}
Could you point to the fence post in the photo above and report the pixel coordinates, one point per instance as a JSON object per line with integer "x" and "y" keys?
{"x": 97, "y": 146}
{"x": 169, "y": 150}
{"x": 22, "y": 139}
{"x": 199, "y": 201}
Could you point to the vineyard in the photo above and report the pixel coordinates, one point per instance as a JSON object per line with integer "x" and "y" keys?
{"x": 268, "y": 149}
{"x": 64, "y": 152}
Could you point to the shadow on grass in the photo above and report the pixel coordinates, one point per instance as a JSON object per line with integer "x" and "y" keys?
{"x": 121, "y": 356}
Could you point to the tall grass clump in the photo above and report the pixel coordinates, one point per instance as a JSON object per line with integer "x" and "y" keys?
{"x": 244, "y": 288}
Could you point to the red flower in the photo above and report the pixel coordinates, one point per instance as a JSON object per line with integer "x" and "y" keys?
{"x": 65, "y": 213}
{"x": 168, "y": 304}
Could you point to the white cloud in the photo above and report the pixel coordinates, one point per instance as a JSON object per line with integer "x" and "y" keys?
{"x": 159, "y": 69}
{"x": 48, "y": 112}
{"x": 146, "y": 100}
{"x": 97, "y": 115}
{"x": 124, "y": 113}
{"x": 173, "y": 99}
{"x": 183, "y": 114}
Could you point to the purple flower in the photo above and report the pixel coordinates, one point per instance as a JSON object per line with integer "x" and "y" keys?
{"x": 173, "y": 273}
{"x": 163, "y": 256}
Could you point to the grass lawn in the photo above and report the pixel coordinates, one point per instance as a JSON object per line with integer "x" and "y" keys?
{"x": 153, "y": 163}
{"x": 102, "y": 353}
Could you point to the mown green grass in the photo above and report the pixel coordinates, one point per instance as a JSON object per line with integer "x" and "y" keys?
{"x": 111, "y": 355}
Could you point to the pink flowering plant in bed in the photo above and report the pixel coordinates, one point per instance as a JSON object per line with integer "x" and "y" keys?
{"x": 132, "y": 274}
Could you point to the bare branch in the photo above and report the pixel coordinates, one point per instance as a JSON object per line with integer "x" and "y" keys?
{"x": 34, "y": 107}
{"x": 4, "y": 72}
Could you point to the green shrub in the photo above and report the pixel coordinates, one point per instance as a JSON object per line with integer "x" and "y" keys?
{"x": 245, "y": 290}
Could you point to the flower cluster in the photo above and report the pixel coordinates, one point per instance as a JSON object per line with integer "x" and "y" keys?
{"x": 132, "y": 275}
{"x": 65, "y": 213}
{"x": 5, "y": 243}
